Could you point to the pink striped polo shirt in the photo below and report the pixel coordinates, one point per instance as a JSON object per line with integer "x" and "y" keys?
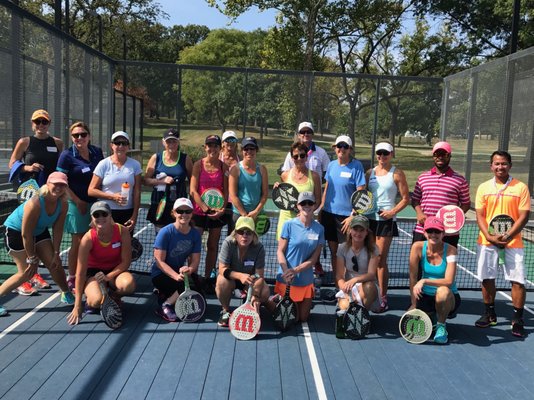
{"x": 434, "y": 190}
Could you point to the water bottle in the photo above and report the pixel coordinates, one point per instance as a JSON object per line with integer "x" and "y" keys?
{"x": 317, "y": 281}
{"x": 125, "y": 191}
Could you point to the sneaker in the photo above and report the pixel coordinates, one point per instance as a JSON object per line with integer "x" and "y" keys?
{"x": 166, "y": 311}
{"x": 3, "y": 311}
{"x": 88, "y": 310}
{"x": 26, "y": 289}
{"x": 329, "y": 296}
{"x": 224, "y": 317}
{"x": 38, "y": 282}
{"x": 487, "y": 319}
{"x": 383, "y": 304}
{"x": 518, "y": 328}
{"x": 67, "y": 298}
{"x": 71, "y": 283}
{"x": 441, "y": 336}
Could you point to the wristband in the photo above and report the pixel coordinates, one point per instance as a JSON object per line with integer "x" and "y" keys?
{"x": 227, "y": 273}
{"x": 32, "y": 260}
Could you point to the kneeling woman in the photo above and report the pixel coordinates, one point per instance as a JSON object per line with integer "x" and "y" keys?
{"x": 436, "y": 291}
{"x": 357, "y": 262}
{"x": 104, "y": 257}
{"x": 299, "y": 248}
{"x": 176, "y": 244}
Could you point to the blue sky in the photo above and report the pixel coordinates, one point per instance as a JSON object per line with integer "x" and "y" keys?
{"x": 183, "y": 12}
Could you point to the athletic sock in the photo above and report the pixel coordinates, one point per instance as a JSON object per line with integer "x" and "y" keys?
{"x": 518, "y": 314}
{"x": 490, "y": 308}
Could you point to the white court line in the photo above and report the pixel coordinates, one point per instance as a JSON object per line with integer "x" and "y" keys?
{"x": 317, "y": 378}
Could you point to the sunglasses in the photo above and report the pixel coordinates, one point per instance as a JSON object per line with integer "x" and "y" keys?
{"x": 383, "y": 153}
{"x": 302, "y": 156}
{"x": 342, "y": 146}
{"x": 249, "y": 149}
{"x": 41, "y": 121}
{"x": 436, "y": 231}
{"x": 244, "y": 232}
{"x": 121, "y": 143}
{"x": 231, "y": 140}
{"x": 440, "y": 154}
{"x": 306, "y": 203}
{"x": 177, "y": 211}
{"x": 355, "y": 263}
{"x": 100, "y": 214}
{"x": 78, "y": 135}
{"x": 306, "y": 132}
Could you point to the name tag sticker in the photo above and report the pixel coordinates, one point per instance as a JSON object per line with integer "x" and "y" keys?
{"x": 248, "y": 263}
{"x": 51, "y": 149}
{"x": 86, "y": 169}
{"x": 115, "y": 245}
{"x": 313, "y": 236}
{"x": 345, "y": 174}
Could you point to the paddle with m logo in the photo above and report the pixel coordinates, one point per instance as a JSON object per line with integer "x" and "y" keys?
{"x": 286, "y": 312}
{"x": 245, "y": 321}
{"x": 190, "y": 306}
{"x": 415, "y": 326}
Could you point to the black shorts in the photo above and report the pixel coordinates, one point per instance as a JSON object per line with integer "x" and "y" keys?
{"x": 427, "y": 304}
{"x": 452, "y": 240}
{"x": 332, "y": 226}
{"x": 387, "y": 228}
{"x": 13, "y": 239}
{"x": 93, "y": 271}
{"x": 121, "y": 216}
{"x": 207, "y": 223}
{"x": 167, "y": 286}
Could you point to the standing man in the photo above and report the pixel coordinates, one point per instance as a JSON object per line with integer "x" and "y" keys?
{"x": 436, "y": 188}
{"x": 317, "y": 158}
{"x": 502, "y": 195}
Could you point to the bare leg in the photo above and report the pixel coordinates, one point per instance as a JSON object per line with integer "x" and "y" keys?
{"x": 445, "y": 303}
{"x": 22, "y": 275}
{"x": 383, "y": 243}
{"x": 45, "y": 252}
{"x": 223, "y": 290}
{"x": 212, "y": 245}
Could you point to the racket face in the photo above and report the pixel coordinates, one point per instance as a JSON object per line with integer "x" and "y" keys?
{"x": 285, "y": 314}
{"x": 356, "y": 321}
{"x": 262, "y": 224}
{"x": 453, "y": 218}
{"x": 245, "y": 322}
{"x": 190, "y": 306}
{"x": 213, "y": 198}
{"x": 415, "y": 326}
{"x": 362, "y": 201}
{"x": 109, "y": 310}
{"x": 161, "y": 207}
{"x": 27, "y": 190}
{"x": 285, "y": 196}
{"x": 137, "y": 249}
{"x": 500, "y": 224}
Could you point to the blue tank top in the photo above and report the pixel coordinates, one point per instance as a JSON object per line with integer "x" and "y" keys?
{"x": 434, "y": 271}
{"x": 384, "y": 191}
{"x": 248, "y": 188}
{"x": 14, "y": 221}
{"x": 177, "y": 171}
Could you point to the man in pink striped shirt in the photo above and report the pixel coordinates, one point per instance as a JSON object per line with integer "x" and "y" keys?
{"x": 439, "y": 187}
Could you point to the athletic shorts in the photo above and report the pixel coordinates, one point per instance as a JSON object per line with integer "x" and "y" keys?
{"x": 14, "y": 241}
{"x": 427, "y": 303}
{"x": 332, "y": 226}
{"x": 121, "y": 216}
{"x": 207, "y": 223}
{"x": 93, "y": 271}
{"x": 297, "y": 293}
{"x": 167, "y": 286}
{"x": 76, "y": 222}
{"x": 452, "y": 239}
{"x": 387, "y": 228}
{"x": 488, "y": 261}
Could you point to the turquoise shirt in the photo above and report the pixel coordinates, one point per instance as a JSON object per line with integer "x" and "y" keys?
{"x": 434, "y": 271}
{"x": 248, "y": 189}
{"x": 14, "y": 221}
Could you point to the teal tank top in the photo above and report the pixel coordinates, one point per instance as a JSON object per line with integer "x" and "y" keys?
{"x": 435, "y": 271}
{"x": 14, "y": 221}
{"x": 248, "y": 188}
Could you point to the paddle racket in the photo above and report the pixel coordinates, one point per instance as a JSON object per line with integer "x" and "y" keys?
{"x": 262, "y": 224}
{"x": 137, "y": 249}
{"x": 500, "y": 224}
{"x": 245, "y": 321}
{"x": 213, "y": 198}
{"x": 286, "y": 312}
{"x": 362, "y": 201}
{"x": 27, "y": 190}
{"x": 356, "y": 321}
{"x": 109, "y": 309}
{"x": 453, "y": 218}
{"x": 285, "y": 196}
{"x": 190, "y": 306}
{"x": 415, "y": 326}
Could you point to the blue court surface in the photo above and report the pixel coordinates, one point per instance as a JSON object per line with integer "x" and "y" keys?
{"x": 42, "y": 357}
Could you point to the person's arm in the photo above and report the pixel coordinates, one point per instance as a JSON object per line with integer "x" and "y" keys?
{"x": 126, "y": 256}
{"x": 59, "y": 144}
{"x": 264, "y": 192}
{"x": 316, "y": 190}
{"x": 402, "y": 185}
{"x": 416, "y": 204}
{"x": 94, "y": 190}
{"x": 194, "y": 262}
{"x": 340, "y": 271}
{"x": 150, "y": 179}
{"x": 287, "y": 273}
{"x": 84, "y": 249}
{"x": 18, "y": 153}
{"x": 160, "y": 255}
{"x": 193, "y": 187}
{"x": 130, "y": 224}
{"x": 188, "y": 166}
{"x": 310, "y": 262}
{"x": 220, "y": 212}
{"x": 233, "y": 182}
{"x": 415, "y": 259}
{"x": 32, "y": 209}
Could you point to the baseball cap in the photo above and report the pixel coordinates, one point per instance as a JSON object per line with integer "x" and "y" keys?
{"x": 171, "y": 134}
{"x": 245, "y": 223}
{"x": 343, "y": 139}
{"x": 120, "y": 134}
{"x": 384, "y": 146}
{"x": 434, "y": 223}
{"x": 305, "y": 125}
{"x": 306, "y": 196}
{"x": 229, "y": 134}
{"x": 249, "y": 141}
{"x": 40, "y": 114}
{"x": 57, "y": 177}
{"x": 182, "y": 201}
{"x": 213, "y": 139}
{"x": 359, "y": 220}
{"x": 442, "y": 146}
{"x": 100, "y": 206}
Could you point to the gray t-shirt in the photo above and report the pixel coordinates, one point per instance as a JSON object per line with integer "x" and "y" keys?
{"x": 254, "y": 257}
{"x": 345, "y": 251}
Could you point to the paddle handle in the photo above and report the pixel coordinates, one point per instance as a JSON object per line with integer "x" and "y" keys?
{"x": 186, "y": 281}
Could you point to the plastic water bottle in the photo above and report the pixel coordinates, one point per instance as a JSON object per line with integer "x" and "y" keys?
{"x": 125, "y": 191}
{"x": 317, "y": 282}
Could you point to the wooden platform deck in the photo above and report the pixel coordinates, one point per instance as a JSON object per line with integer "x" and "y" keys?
{"x": 42, "y": 357}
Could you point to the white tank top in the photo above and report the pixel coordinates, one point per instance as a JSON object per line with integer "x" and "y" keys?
{"x": 384, "y": 191}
